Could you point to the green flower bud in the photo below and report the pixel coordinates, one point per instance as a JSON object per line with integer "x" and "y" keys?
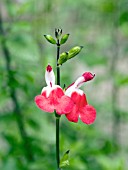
{"x": 63, "y": 58}
{"x": 58, "y": 32}
{"x": 50, "y": 39}
{"x": 74, "y": 51}
{"x": 64, "y": 160}
{"x": 64, "y": 38}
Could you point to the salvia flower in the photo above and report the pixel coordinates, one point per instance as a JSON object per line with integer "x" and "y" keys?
{"x": 52, "y": 96}
{"x": 81, "y": 108}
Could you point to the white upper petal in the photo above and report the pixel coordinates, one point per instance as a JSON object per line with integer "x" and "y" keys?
{"x": 69, "y": 91}
{"x": 75, "y": 87}
{"x": 48, "y": 89}
{"x": 50, "y": 78}
{"x": 78, "y": 83}
{"x": 72, "y": 89}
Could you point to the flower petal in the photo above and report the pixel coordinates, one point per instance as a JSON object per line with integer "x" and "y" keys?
{"x": 79, "y": 98}
{"x": 53, "y": 98}
{"x": 73, "y": 115}
{"x": 79, "y": 82}
{"x": 65, "y": 105}
{"x": 44, "y": 103}
{"x": 87, "y": 114}
{"x": 55, "y": 95}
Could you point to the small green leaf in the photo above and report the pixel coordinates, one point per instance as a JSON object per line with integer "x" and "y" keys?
{"x": 50, "y": 39}
{"x": 64, "y": 160}
{"x": 74, "y": 51}
{"x": 64, "y": 39}
{"x": 63, "y": 58}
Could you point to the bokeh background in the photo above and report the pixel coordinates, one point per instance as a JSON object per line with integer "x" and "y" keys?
{"x": 27, "y": 135}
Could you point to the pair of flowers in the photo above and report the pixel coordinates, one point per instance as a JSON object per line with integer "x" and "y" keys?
{"x": 72, "y": 102}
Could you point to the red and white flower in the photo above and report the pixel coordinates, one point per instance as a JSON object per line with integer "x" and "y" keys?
{"x": 52, "y": 96}
{"x": 81, "y": 108}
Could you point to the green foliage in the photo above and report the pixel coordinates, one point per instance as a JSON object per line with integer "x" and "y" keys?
{"x": 124, "y": 17}
{"x": 63, "y": 58}
{"x": 74, "y": 51}
{"x": 64, "y": 160}
{"x": 70, "y": 54}
{"x": 50, "y": 39}
{"x": 64, "y": 39}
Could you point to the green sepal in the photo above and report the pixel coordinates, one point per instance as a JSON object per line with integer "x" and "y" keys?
{"x": 74, "y": 51}
{"x": 64, "y": 160}
{"x": 64, "y": 39}
{"x": 50, "y": 39}
{"x": 63, "y": 58}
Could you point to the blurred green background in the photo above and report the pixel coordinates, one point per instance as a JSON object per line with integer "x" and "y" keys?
{"x": 27, "y": 135}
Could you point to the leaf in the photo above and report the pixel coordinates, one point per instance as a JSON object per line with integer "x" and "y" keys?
{"x": 124, "y": 81}
{"x": 121, "y": 80}
{"x": 64, "y": 39}
{"x": 107, "y": 7}
{"x": 64, "y": 160}
{"x": 123, "y": 17}
{"x": 63, "y": 58}
{"x": 11, "y": 139}
{"x": 50, "y": 39}
{"x": 74, "y": 51}
{"x": 8, "y": 117}
{"x": 33, "y": 124}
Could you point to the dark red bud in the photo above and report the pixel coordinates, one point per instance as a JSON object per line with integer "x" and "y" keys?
{"x": 49, "y": 68}
{"x": 88, "y": 76}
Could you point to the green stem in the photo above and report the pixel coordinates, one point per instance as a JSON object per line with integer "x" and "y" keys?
{"x": 57, "y": 116}
{"x": 58, "y": 68}
{"x": 57, "y": 140}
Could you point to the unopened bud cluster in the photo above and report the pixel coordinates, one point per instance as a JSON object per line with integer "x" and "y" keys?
{"x": 61, "y": 39}
{"x": 58, "y": 32}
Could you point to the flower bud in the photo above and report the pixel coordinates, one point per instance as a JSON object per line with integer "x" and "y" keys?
{"x": 58, "y": 32}
{"x": 50, "y": 39}
{"x": 63, "y": 58}
{"x": 88, "y": 76}
{"x": 49, "y": 76}
{"x": 49, "y": 68}
{"x": 64, "y": 160}
{"x": 74, "y": 51}
{"x": 64, "y": 38}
